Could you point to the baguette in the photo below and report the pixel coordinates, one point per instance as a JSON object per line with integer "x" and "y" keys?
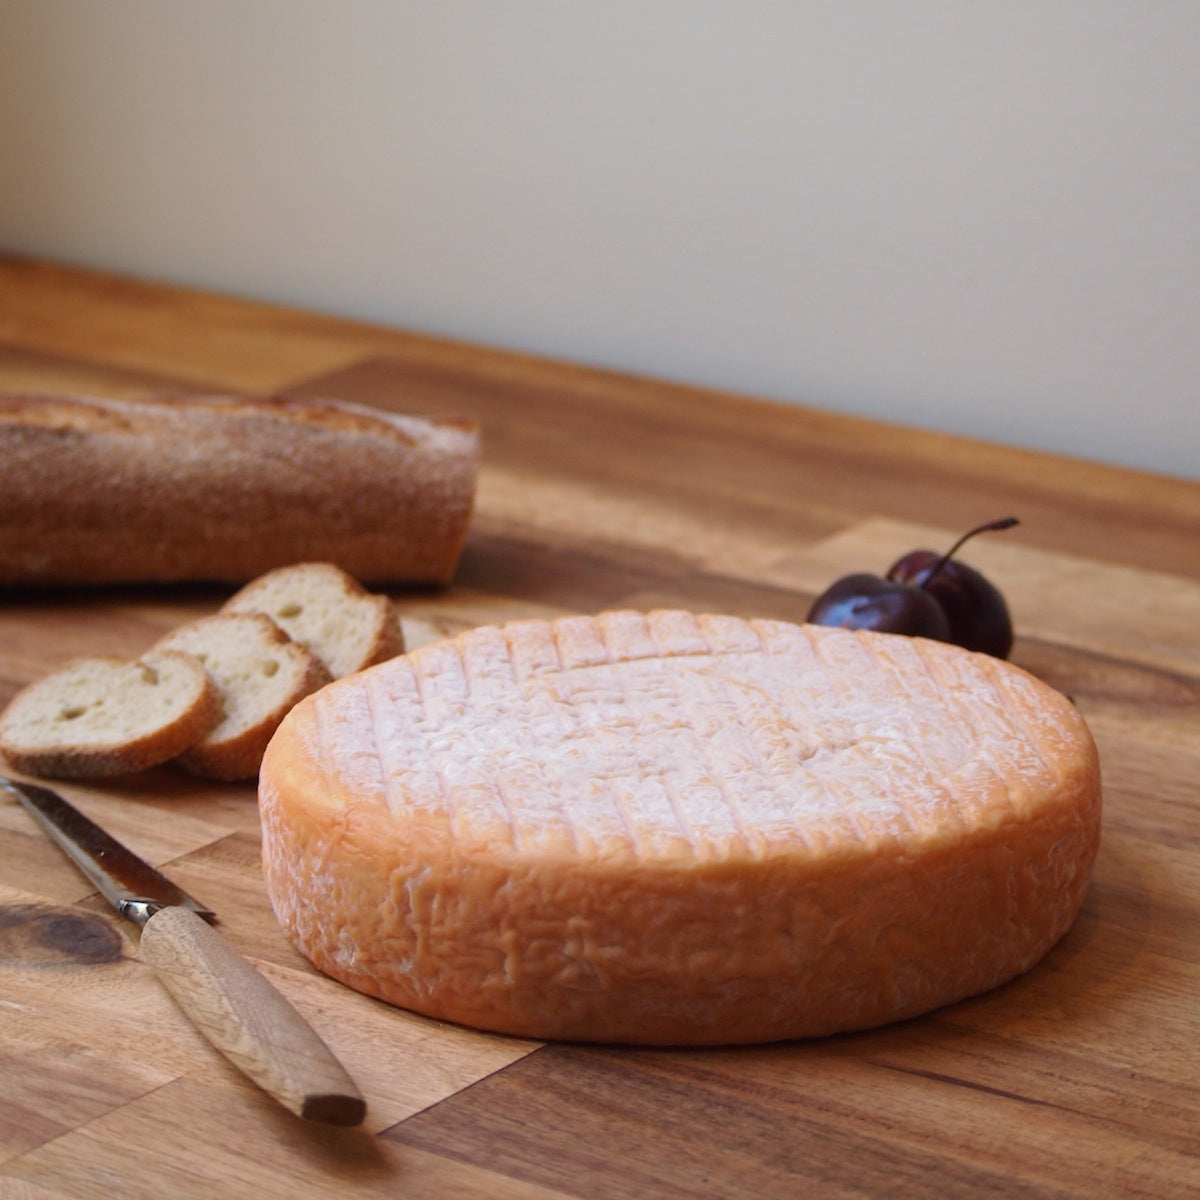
{"x": 222, "y": 489}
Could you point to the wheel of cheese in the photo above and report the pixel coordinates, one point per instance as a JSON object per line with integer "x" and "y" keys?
{"x": 668, "y": 828}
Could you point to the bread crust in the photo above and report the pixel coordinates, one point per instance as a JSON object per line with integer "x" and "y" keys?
{"x": 98, "y": 491}
{"x": 329, "y": 612}
{"x": 259, "y": 674}
{"x": 53, "y": 745}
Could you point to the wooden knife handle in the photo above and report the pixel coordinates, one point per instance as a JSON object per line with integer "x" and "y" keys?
{"x": 244, "y": 1017}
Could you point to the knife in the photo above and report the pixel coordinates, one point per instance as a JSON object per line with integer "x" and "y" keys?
{"x": 228, "y": 1001}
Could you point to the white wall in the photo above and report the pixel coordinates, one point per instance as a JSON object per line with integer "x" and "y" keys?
{"x": 982, "y": 217}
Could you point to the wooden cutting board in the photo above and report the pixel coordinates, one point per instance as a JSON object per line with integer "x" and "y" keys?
{"x": 1080, "y": 1079}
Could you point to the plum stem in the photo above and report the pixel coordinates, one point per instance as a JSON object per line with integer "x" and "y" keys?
{"x": 989, "y": 526}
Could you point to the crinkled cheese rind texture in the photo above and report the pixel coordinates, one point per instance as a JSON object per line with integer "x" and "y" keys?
{"x": 669, "y": 828}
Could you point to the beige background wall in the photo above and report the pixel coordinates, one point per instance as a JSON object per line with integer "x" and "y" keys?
{"x": 974, "y": 216}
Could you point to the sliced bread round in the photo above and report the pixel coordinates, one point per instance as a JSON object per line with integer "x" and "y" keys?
{"x": 259, "y": 673}
{"x": 99, "y": 717}
{"x": 327, "y": 610}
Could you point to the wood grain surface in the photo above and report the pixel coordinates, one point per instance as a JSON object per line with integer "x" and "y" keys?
{"x": 1080, "y": 1079}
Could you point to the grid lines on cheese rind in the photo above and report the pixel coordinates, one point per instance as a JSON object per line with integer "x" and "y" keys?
{"x": 572, "y": 713}
{"x": 1005, "y": 686}
{"x": 579, "y": 642}
{"x": 626, "y": 635}
{"x": 614, "y": 723}
{"x": 475, "y": 797}
{"x": 344, "y": 758}
{"x": 975, "y": 722}
{"x": 669, "y": 735}
{"x": 737, "y": 742}
{"x": 397, "y": 698}
{"x": 859, "y": 733}
{"x": 677, "y": 633}
{"x": 628, "y": 638}
{"x": 705, "y": 736}
{"x": 913, "y": 677}
{"x": 725, "y": 793}
{"x": 825, "y": 743}
{"x": 705, "y": 781}
{"x": 657, "y": 791}
{"x": 495, "y": 661}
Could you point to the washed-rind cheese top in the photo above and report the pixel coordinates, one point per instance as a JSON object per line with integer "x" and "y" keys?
{"x": 673, "y": 827}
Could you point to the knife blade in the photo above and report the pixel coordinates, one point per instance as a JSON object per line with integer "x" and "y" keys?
{"x": 226, "y": 998}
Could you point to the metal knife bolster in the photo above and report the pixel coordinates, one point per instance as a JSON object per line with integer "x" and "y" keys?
{"x": 229, "y": 1002}
{"x": 130, "y": 884}
{"x": 139, "y": 909}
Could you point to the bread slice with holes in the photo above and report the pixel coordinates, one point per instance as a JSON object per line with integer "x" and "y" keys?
{"x": 322, "y": 607}
{"x": 100, "y": 717}
{"x": 260, "y": 674}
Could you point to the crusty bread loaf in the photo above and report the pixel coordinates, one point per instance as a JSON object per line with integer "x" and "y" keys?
{"x": 669, "y": 828}
{"x": 212, "y": 488}
{"x": 330, "y": 612}
{"x": 98, "y": 717}
{"x": 259, "y": 673}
